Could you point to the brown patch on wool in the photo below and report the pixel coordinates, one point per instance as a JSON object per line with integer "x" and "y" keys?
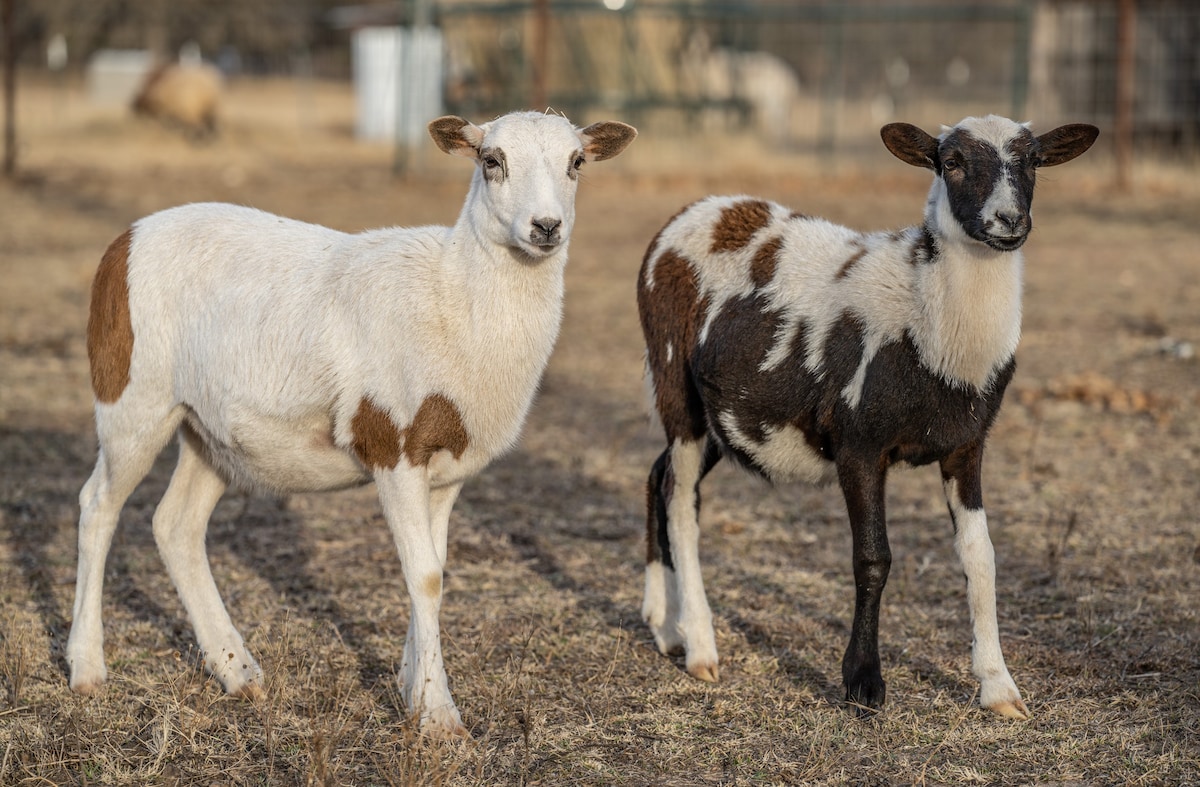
{"x": 738, "y": 223}
{"x": 376, "y": 440}
{"x": 844, "y": 271}
{"x": 437, "y": 426}
{"x": 671, "y": 310}
{"x": 110, "y": 326}
{"x": 766, "y": 259}
{"x": 432, "y": 586}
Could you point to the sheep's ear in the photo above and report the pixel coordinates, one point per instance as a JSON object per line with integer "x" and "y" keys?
{"x": 606, "y": 139}
{"x": 456, "y": 136}
{"x": 1065, "y": 143}
{"x": 910, "y": 144}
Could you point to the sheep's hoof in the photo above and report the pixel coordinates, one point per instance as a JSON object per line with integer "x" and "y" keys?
{"x": 251, "y": 691}
{"x": 866, "y": 695}
{"x": 88, "y": 688}
{"x": 444, "y": 724}
{"x": 1011, "y": 709}
{"x": 450, "y": 734}
{"x": 706, "y": 672}
{"x": 670, "y": 648}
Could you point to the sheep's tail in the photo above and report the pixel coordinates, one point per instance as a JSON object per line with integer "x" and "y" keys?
{"x": 653, "y": 420}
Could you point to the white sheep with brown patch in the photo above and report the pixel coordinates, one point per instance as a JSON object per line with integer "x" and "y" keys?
{"x": 292, "y": 357}
{"x": 808, "y": 351}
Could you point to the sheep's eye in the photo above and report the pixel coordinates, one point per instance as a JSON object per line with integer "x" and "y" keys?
{"x": 491, "y": 162}
{"x": 950, "y": 165}
{"x": 578, "y": 162}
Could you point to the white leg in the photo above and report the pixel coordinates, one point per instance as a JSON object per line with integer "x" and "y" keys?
{"x": 124, "y": 460}
{"x": 441, "y": 500}
{"x": 683, "y": 529}
{"x": 660, "y": 608}
{"x": 180, "y": 523}
{"x": 405, "y": 496}
{"x": 998, "y": 692}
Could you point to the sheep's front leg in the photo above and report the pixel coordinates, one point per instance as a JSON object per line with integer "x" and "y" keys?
{"x": 441, "y": 500}
{"x": 961, "y": 480}
{"x": 863, "y": 487}
{"x": 405, "y": 495}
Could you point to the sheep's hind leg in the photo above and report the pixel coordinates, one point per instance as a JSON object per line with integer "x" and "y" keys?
{"x": 686, "y": 468}
{"x": 998, "y": 692}
{"x": 127, "y": 451}
{"x": 660, "y": 601}
{"x": 180, "y": 523}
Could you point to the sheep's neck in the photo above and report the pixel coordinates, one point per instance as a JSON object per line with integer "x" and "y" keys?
{"x": 970, "y": 320}
{"x": 505, "y": 329}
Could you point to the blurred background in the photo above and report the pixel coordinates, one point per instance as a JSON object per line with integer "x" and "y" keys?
{"x": 809, "y": 78}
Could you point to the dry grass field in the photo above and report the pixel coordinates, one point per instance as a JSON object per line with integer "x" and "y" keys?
{"x": 1093, "y": 475}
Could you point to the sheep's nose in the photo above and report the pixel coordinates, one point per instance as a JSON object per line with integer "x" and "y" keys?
{"x": 545, "y": 232}
{"x": 1010, "y": 220}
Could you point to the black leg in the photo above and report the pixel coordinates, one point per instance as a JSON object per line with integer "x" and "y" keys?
{"x": 863, "y": 486}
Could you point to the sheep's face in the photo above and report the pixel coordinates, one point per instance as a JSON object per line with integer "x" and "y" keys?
{"x": 986, "y": 169}
{"x": 529, "y": 165}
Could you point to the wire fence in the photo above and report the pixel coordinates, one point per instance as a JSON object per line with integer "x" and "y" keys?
{"x": 823, "y": 77}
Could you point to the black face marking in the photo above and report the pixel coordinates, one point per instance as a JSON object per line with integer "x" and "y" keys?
{"x": 494, "y": 163}
{"x": 972, "y": 170}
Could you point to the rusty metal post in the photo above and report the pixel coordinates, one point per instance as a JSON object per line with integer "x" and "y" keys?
{"x": 541, "y": 33}
{"x": 1123, "y": 111}
{"x": 8, "y": 21}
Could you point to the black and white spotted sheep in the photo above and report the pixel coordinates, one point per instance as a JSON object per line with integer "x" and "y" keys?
{"x": 808, "y": 351}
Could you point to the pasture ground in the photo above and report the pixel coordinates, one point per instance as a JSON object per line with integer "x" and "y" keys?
{"x": 1092, "y": 487}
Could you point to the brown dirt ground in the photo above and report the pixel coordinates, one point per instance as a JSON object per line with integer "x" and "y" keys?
{"x": 1092, "y": 481}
